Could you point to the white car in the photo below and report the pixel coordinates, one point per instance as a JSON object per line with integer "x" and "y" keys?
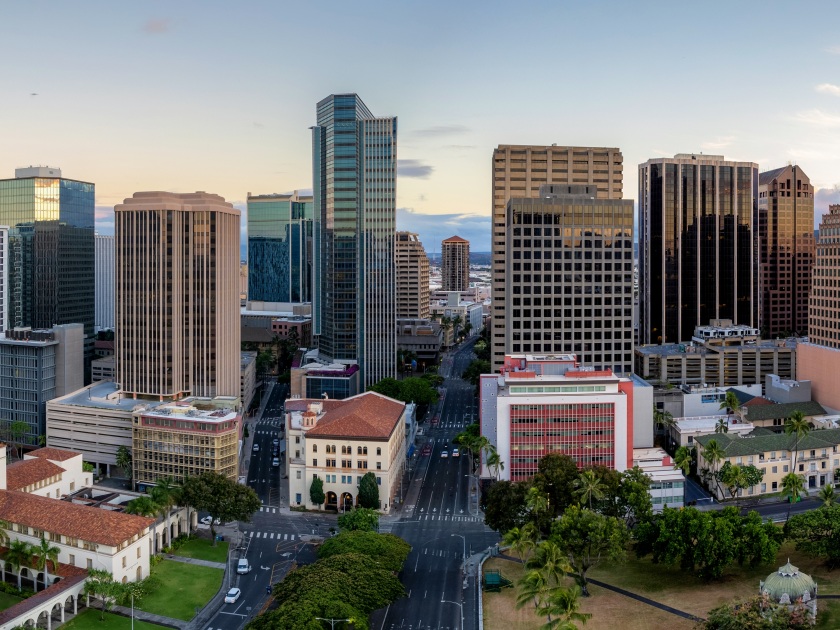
{"x": 232, "y": 595}
{"x": 455, "y": 452}
{"x": 256, "y": 448}
{"x": 206, "y": 520}
{"x": 444, "y": 454}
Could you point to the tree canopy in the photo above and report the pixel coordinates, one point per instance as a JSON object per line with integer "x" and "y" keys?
{"x": 316, "y": 491}
{"x": 707, "y": 542}
{"x": 369, "y": 491}
{"x": 360, "y": 519}
{"x": 223, "y": 498}
{"x": 414, "y": 389}
{"x": 756, "y": 614}
{"x": 387, "y": 549}
{"x": 817, "y": 533}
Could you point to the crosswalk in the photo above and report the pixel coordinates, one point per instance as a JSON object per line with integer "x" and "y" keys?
{"x": 447, "y": 517}
{"x": 272, "y": 536}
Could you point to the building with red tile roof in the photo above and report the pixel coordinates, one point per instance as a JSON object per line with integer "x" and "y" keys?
{"x": 340, "y": 441}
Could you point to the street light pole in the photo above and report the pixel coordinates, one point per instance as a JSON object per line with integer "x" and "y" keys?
{"x": 461, "y": 606}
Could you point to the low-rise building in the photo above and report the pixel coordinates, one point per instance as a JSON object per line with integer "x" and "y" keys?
{"x": 585, "y": 414}
{"x": 340, "y": 441}
{"x": 667, "y": 482}
{"x": 422, "y": 337}
{"x": 104, "y": 369}
{"x": 686, "y": 430}
{"x": 718, "y": 355}
{"x": 817, "y": 458}
{"x": 454, "y": 307}
{"x": 185, "y": 439}
{"x": 314, "y": 377}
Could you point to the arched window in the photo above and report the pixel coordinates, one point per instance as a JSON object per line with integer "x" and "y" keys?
{"x": 314, "y": 448}
{"x": 364, "y": 450}
{"x": 358, "y": 450}
{"x": 378, "y": 451}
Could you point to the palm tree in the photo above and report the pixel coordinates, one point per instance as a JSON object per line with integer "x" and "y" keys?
{"x": 551, "y": 561}
{"x": 663, "y": 419}
{"x": 144, "y": 506}
{"x": 683, "y": 458}
{"x": 19, "y": 555}
{"x": 456, "y": 324}
{"x": 533, "y": 588}
{"x": 793, "y": 486}
{"x": 731, "y": 404}
{"x": 828, "y": 496}
{"x": 561, "y": 608}
{"x": 494, "y": 461}
{"x": 536, "y": 501}
{"x": 713, "y": 453}
{"x": 4, "y": 540}
{"x": 589, "y": 486}
{"x": 46, "y": 553}
{"x": 446, "y": 324}
{"x": 521, "y": 540}
{"x": 798, "y": 426}
{"x": 722, "y": 426}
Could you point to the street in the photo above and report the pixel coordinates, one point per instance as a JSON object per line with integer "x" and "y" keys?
{"x": 439, "y": 518}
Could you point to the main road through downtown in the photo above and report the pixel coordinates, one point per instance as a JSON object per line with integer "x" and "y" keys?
{"x": 438, "y": 517}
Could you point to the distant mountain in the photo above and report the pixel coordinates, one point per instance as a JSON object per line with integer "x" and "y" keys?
{"x": 476, "y": 258}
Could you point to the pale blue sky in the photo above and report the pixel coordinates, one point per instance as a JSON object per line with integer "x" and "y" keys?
{"x": 218, "y": 96}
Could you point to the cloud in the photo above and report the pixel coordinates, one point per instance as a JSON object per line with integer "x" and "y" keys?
{"x": 834, "y": 50}
{"x": 818, "y": 118}
{"x": 828, "y": 88}
{"x": 156, "y": 26}
{"x": 259, "y": 125}
{"x": 823, "y": 198}
{"x": 414, "y": 168}
{"x": 442, "y": 130}
{"x": 433, "y": 228}
{"x": 718, "y": 143}
{"x": 460, "y": 147}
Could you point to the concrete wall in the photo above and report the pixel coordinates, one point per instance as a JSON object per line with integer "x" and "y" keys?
{"x": 785, "y": 391}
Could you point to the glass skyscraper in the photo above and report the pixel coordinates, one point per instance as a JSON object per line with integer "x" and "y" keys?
{"x": 51, "y": 251}
{"x": 354, "y": 188}
{"x": 280, "y": 248}
{"x": 696, "y": 245}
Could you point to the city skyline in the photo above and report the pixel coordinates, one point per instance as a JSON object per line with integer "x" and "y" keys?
{"x": 174, "y": 77}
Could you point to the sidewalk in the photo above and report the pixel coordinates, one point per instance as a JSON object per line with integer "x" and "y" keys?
{"x": 201, "y": 563}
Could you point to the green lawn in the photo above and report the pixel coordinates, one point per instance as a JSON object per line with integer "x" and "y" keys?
{"x": 180, "y": 588}
{"x": 7, "y": 601}
{"x": 203, "y": 549}
{"x": 89, "y": 620}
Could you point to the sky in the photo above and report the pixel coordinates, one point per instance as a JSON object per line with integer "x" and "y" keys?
{"x": 219, "y": 96}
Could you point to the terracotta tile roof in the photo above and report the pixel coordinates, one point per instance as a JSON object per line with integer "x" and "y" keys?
{"x": 55, "y": 454}
{"x": 70, "y": 576}
{"x": 28, "y": 471}
{"x": 302, "y": 404}
{"x": 68, "y": 519}
{"x": 367, "y": 416}
{"x": 455, "y": 239}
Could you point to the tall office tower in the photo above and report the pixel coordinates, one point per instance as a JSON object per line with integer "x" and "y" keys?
{"x": 280, "y": 248}
{"x": 104, "y": 319}
{"x": 4, "y": 278}
{"x": 696, "y": 245}
{"x": 569, "y": 276}
{"x": 412, "y": 277}
{"x": 51, "y": 251}
{"x": 354, "y": 182}
{"x": 519, "y": 171}
{"x": 455, "y": 264}
{"x": 177, "y": 300}
{"x": 824, "y": 321}
{"x": 785, "y": 250}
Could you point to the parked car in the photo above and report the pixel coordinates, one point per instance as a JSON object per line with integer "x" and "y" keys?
{"x": 206, "y": 521}
{"x": 256, "y": 447}
{"x": 275, "y": 441}
{"x": 232, "y": 595}
{"x": 455, "y": 452}
{"x": 275, "y": 462}
{"x": 444, "y": 454}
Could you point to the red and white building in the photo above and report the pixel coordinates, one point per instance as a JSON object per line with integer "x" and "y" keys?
{"x": 546, "y": 404}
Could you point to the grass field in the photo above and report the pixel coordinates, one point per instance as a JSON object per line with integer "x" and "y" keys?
{"x": 663, "y": 584}
{"x": 7, "y": 601}
{"x": 203, "y": 549}
{"x": 180, "y": 588}
{"x": 89, "y": 620}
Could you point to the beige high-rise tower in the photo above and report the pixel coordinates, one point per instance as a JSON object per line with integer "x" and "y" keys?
{"x": 455, "y": 264}
{"x": 177, "y": 295}
{"x": 412, "y": 277}
{"x": 519, "y": 171}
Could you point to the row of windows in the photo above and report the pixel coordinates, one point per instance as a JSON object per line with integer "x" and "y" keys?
{"x": 346, "y": 450}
